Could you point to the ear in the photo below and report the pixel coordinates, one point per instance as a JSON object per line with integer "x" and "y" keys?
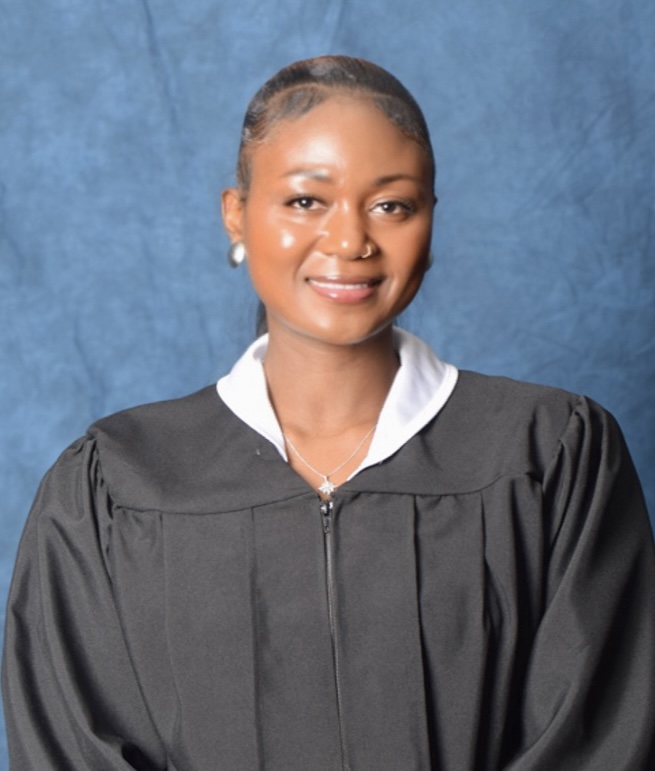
{"x": 232, "y": 211}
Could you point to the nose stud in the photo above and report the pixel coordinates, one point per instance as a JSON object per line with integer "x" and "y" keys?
{"x": 344, "y": 252}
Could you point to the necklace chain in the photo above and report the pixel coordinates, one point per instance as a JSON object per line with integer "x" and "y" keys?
{"x": 327, "y": 487}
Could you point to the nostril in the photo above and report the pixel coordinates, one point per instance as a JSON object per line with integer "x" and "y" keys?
{"x": 360, "y": 248}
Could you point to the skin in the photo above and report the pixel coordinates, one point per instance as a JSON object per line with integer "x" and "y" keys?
{"x": 327, "y": 187}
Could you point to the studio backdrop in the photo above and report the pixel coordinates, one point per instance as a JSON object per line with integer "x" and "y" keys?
{"x": 119, "y": 125}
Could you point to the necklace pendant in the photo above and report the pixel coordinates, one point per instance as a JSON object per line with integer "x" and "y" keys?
{"x": 327, "y": 488}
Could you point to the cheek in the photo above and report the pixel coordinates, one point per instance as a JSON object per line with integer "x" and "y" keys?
{"x": 277, "y": 245}
{"x": 273, "y": 235}
{"x": 410, "y": 249}
{"x": 288, "y": 239}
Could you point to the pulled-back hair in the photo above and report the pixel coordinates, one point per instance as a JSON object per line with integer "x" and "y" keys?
{"x": 300, "y": 86}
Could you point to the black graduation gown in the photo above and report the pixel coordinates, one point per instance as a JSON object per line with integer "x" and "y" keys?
{"x": 484, "y": 599}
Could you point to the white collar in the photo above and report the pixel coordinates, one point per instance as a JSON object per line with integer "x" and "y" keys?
{"x": 420, "y": 389}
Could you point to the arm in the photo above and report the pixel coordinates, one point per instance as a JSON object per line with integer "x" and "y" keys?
{"x": 589, "y": 701}
{"x": 71, "y": 697}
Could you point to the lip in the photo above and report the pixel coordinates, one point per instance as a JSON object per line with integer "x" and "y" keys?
{"x": 344, "y": 289}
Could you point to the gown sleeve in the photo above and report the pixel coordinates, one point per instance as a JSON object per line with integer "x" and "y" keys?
{"x": 589, "y": 700}
{"x": 71, "y": 698}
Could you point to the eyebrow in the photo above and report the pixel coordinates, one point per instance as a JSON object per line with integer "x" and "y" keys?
{"x": 317, "y": 174}
{"x": 321, "y": 175}
{"x": 394, "y": 178}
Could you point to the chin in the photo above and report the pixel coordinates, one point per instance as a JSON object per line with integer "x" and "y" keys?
{"x": 354, "y": 337}
{"x": 326, "y": 329}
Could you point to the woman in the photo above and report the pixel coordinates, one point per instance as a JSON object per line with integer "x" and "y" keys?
{"x": 348, "y": 555}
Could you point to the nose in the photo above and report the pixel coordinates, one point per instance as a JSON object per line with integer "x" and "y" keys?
{"x": 343, "y": 234}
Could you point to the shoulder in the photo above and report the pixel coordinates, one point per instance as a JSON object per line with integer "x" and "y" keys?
{"x": 147, "y": 421}
{"x": 499, "y": 426}
{"x": 168, "y": 454}
{"x": 501, "y": 401}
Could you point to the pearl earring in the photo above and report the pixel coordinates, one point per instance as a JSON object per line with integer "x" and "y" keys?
{"x": 236, "y": 254}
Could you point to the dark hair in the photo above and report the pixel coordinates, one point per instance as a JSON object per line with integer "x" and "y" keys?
{"x": 300, "y": 86}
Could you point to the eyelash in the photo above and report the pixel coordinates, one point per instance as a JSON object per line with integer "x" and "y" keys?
{"x": 296, "y": 201}
{"x": 404, "y": 207}
{"x": 399, "y": 206}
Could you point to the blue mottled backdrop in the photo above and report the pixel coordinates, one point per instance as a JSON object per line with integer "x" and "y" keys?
{"x": 119, "y": 122}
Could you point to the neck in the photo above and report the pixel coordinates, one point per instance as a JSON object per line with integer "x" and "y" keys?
{"x": 326, "y": 389}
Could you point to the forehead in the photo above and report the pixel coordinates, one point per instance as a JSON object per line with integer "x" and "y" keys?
{"x": 331, "y": 111}
{"x": 346, "y": 131}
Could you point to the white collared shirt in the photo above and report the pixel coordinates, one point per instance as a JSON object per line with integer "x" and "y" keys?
{"x": 421, "y": 387}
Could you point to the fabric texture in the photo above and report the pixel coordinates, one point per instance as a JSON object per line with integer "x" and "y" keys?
{"x": 482, "y": 600}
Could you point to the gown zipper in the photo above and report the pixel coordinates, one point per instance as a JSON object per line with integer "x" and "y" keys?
{"x": 326, "y": 509}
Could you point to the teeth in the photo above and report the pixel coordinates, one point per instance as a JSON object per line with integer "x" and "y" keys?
{"x": 339, "y": 285}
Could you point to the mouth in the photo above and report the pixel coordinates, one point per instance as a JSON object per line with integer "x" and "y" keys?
{"x": 345, "y": 289}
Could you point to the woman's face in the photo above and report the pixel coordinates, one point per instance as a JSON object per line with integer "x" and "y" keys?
{"x": 327, "y": 187}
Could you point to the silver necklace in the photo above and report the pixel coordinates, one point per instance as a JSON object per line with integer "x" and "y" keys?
{"x": 327, "y": 487}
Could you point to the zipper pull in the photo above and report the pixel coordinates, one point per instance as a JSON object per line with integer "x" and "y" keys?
{"x": 326, "y": 513}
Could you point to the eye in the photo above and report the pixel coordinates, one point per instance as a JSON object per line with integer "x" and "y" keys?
{"x": 304, "y": 202}
{"x": 395, "y": 208}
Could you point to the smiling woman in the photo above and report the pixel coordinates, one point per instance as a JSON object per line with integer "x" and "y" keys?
{"x": 336, "y": 222}
{"x": 347, "y": 554}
